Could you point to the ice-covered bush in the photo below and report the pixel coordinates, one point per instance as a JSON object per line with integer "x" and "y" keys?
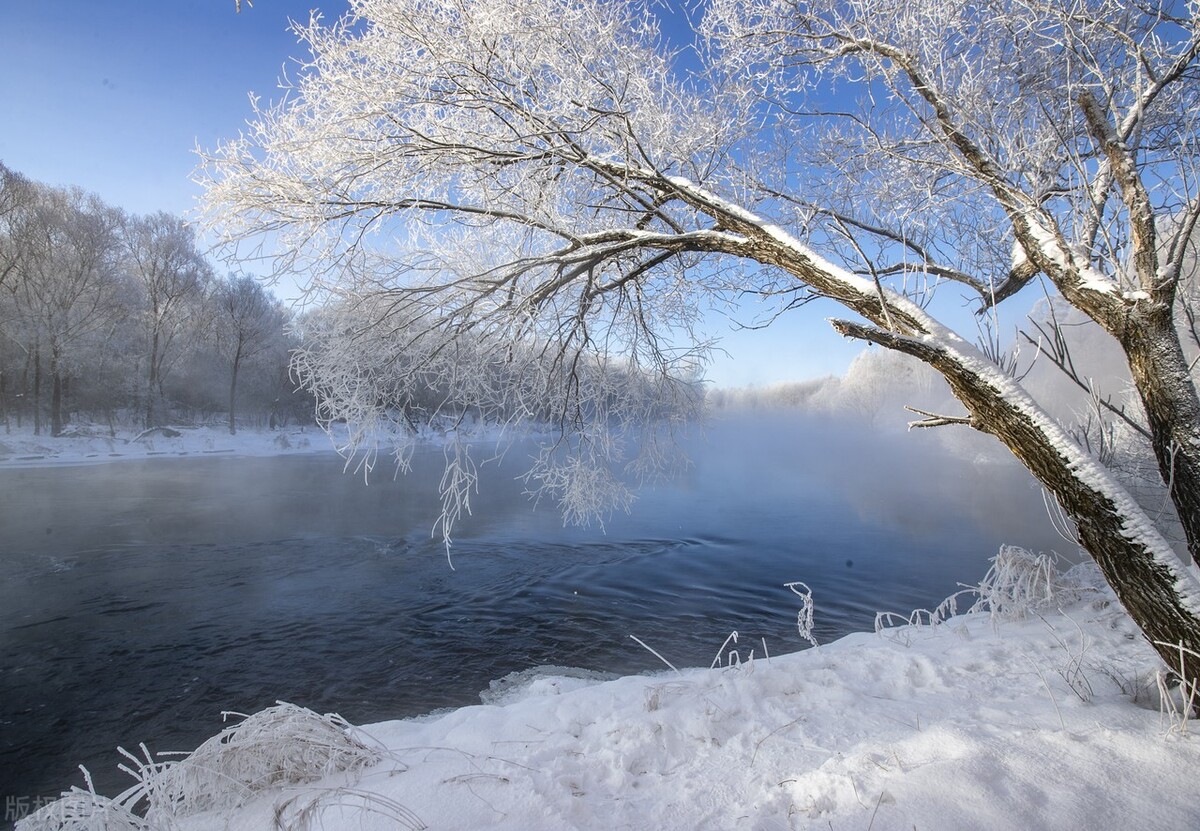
{"x": 84, "y": 810}
{"x": 1021, "y": 582}
{"x": 282, "y": 745}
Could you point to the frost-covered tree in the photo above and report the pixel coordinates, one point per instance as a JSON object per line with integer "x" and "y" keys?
{"x": 16, "y": 211}
{"x": 173, "y": 275}
{"x": 485, "y": 177}
{"x": 66, "y": 290}
{"x": 246, "y": 321}
{"x": 17, "y": 196}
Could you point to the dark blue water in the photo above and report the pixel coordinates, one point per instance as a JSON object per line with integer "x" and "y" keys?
{"x": 140, "y": 599}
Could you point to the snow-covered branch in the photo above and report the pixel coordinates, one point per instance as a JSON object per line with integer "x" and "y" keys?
{"x": 522, "y": 210}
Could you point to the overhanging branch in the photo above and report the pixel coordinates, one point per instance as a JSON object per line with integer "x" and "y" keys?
{"x": 935, "y": 420}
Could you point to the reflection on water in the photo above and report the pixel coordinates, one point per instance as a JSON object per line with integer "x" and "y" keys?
{"x": 140, "y": 599}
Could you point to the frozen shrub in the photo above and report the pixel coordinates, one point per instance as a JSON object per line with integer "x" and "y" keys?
{"x": 1021, "y": 582}
{"x": 83, "y": 810}
{"x": 282, "y": 745}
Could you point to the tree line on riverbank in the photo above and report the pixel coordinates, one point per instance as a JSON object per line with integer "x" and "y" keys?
{"x": 115, "y": 318}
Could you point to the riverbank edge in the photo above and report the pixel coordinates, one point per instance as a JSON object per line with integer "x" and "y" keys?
{"x": 1041, "y": 715}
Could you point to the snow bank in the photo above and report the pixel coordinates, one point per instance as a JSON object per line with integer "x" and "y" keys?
{"x": 92, "y": 445}
{"x": 1045, "y": 722}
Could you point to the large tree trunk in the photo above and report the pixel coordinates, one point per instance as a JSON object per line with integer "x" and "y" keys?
{"x": 1135, "y": 559}
{"x": 1162, "y": 378}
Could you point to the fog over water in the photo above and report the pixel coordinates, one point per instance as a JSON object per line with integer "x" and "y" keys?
{"x": 140, "y": 599}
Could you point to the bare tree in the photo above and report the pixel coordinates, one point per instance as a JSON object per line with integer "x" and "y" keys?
{"x": 173, "y": 276}
{"x": 16, "y": 209}
{"x": 67, "y": 286}
{"x": 244, "y": 326}
{"x": 16, "y": 201}
{"x": 545, "y": 172}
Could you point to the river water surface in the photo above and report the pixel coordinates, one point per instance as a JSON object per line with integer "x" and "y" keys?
{"x": 139, "y": 599}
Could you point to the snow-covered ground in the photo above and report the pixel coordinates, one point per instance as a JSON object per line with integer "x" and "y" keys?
{"x": 93, "y": 444}
{"x": 984, "y": 721}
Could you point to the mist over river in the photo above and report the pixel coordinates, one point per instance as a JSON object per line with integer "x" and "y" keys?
{"x": 139, "y": 599}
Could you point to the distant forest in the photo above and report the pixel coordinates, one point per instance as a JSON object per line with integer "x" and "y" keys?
{"x": 118, "y": 320}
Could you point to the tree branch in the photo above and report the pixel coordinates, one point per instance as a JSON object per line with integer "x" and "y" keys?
{"x": 935, "y": 420}
{"x": 1137, "y": 201}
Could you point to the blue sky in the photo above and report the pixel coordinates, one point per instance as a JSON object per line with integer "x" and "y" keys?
{"x": 114, "y": 96}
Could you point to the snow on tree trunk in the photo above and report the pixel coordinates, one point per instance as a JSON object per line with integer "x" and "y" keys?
{"x": 1161, "y": 376}
{"x": 1134, "y": 557}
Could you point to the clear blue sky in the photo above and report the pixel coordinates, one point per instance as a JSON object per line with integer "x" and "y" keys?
{"x": 114, "y": 96}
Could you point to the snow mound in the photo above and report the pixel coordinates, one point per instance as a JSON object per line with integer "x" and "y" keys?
{"x": 540, "y": 682}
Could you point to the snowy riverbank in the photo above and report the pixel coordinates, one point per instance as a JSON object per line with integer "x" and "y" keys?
{"x": 92, "y": 444}
{"x": 983, "y": 722}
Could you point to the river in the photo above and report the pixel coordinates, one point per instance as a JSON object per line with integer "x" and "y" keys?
{"x": 139, "y": 599}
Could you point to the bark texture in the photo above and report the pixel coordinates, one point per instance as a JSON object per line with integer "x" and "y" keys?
{"x": 1160, "y": 375}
